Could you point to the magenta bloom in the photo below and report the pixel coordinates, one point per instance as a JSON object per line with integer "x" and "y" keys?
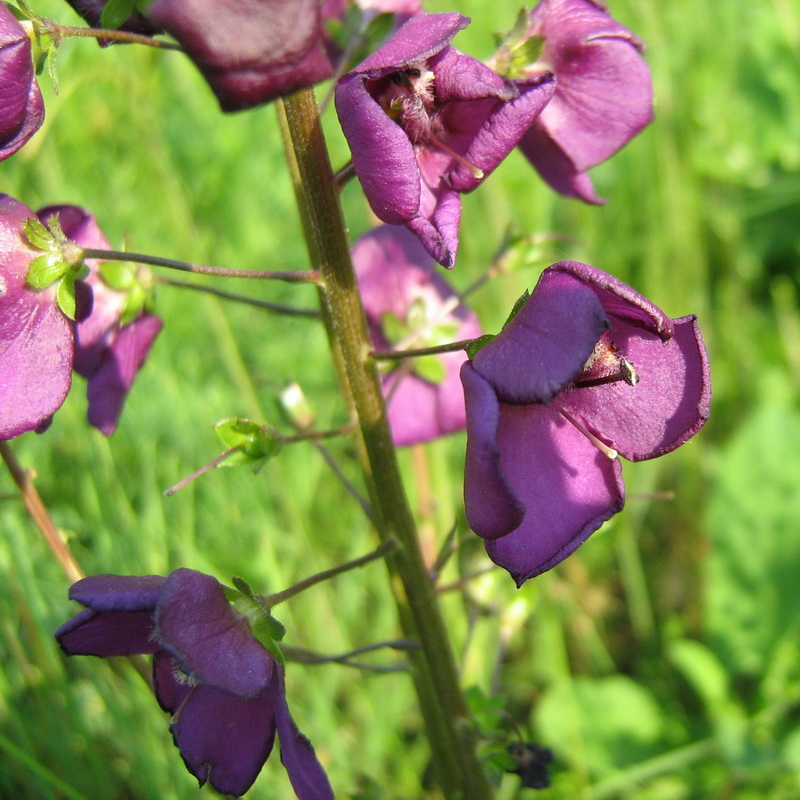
{"x": 603, "y": 98}
{"x": 249, "y": 51}
{"x": 109, "y": 354}
{"x": 21, "y": 106}
{"x": 425, "y": 122}
{"x": 36, "y": 339}
{"x": 399, "y": 287}
{"x": 225, "y": 691}
{"x": 586, "y": 369}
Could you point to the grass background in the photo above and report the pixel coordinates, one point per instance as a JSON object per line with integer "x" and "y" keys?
{"x": 662, "y": 662}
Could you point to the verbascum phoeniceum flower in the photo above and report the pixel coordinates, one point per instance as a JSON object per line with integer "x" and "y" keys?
{"x": 21, "y": 106}
{"x": 408, "y": 305}
{"x": 585, "y": 371}
{"x": 37, "y": 340}
{"x": 603, "y": 96}
{"x": 426, "y": 123}
{"x": 224, "y": 690}
{"x": 112, "y": 344}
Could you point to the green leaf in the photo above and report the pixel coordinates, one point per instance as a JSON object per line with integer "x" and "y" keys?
{"x": 115, "y": 13}
{"x": 45, "y": 270}
{"x": 66, "y": 295}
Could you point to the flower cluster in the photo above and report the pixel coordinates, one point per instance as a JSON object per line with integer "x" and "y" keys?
{"x": 587, "y": 369}
{"x": 40, "y": 346}
{"x": 225, "y": 691}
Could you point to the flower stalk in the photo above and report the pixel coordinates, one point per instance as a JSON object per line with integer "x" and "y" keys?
{"x": 433, "y": 666}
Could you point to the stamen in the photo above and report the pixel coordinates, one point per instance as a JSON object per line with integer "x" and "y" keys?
{"x": 177, "y": 715}
{"x": 610, "y": 452}
{"x": 476, "y": 172}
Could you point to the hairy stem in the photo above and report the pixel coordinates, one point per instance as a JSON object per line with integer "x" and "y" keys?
{"x": 433, "y": 666}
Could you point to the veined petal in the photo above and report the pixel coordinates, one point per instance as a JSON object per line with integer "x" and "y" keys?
{"x": 668, "y": 405}
{"x": 492, "y": 507}
{"x": 211, "y": 642}
{"x": 567, "y": 486}
{"x": 547, "y": 343}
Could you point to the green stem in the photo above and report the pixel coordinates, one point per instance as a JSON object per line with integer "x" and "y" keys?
{"x": 289, "y": 276}
{"x": 433, "y": 666}
{"x": 435, "y": 350}
{"x": 60, "y": 32}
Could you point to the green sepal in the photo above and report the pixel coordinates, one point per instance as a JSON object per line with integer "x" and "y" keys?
{"x": 65, "y": 296}
{"x": 430, "y": 368}
{"x": 527, "y": 53}
{"x": 478, "y": 344}
{"x": 45, "y": 270}
{"x": 517, "y": 307}
{"x": 254, "y": 443}
{"x": 115, "y": 13}
{"x": 119, "y": 275}
{"x": 268, "y": 630}
{"x": 394, "y": 329}
{"x": 41, "y": 237}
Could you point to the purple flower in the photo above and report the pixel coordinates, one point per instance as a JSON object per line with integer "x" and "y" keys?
{"x": 21, "y": 107}
{"x": 604, "y": 95}
{"x": 249, "y": 51}
{"x": 403, "y": 295}
{"x": 36, "y": 339}
{"x": 586, "y": 369}
{"x": 425, "y": 122}
{"x": 109, "y": 353}
{"x": 224, "y": 690}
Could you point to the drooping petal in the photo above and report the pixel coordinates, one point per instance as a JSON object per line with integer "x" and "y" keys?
{"x": 36, "y": 339}
{"x": 118, "y": 592}
{"x": 211, "y": 642}
{"x": 492, "y": 507}
{"x": 668, "y": 405}
{"x": 223, "y": 739}
{"x": 249, "y": 51}
{"x": 547, "y": 343}
{"x": 108, "y": 633}
{"x": 21, "y": 106}
{"x": 306, "y": 774}
{"x": 114, "y": 375}
{"x": 567, "y": 487}
{"x": 438, "y": 221}
{"x": 604, "y": 95}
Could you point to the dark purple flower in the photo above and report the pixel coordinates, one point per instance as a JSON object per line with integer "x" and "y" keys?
{"x": 36, "y": 339}
{"x": 403, "y": 295}
{"x": 604, "y": 95}
{"x": 425, "y": 122}
{"x": 109, "y": 353}
{"x": 249, "y": 51}
{"x": 224, "y": 689}
{"x": 21, "y": 106}
{"x": 586, "y": 370}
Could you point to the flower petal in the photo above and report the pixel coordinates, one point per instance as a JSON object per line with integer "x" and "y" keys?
{"x": 492, "y": 507}
{"x": 108, "y": 633}
{"x": 211, "y": 642}
{"x": 306, "y": 774}
{"x": 668, "y": 405}
{"x": 118, "y": 592}
{"x": 567, "y": 486}
{"x": 547, "y": 343}
{"x": 110, "y": 383}
{"x": 223, "y": 739}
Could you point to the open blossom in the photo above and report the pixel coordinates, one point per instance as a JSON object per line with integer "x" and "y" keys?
{"x": 399, "y": 286}
{"x": 108, "y": 353}
{"x": 249, "y": 51}
{"x": 586, "y": 370}
{"x": 21, "y": 106}
{"x": 603, "y": 98}
{"x": 425, "y": 122}
{"x": 36, "y": 339}
{"x": 224, "y": 689}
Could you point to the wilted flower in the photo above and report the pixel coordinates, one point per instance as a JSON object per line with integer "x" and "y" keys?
{"x": 224, "y": 689}
{"x": 603, "y": 97}
{"x": 250, "y": 51}
{"x": 408, "y": 305}
{"x": 21, "y": 106}
{"x": 36, "y": 338}
{"x": 586, "y": 369}
{"x": 110, "y": 350}
{"x": 425, "y": 122}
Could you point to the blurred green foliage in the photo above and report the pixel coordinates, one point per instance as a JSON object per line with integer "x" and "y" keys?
{"x": 661, "y": 662}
